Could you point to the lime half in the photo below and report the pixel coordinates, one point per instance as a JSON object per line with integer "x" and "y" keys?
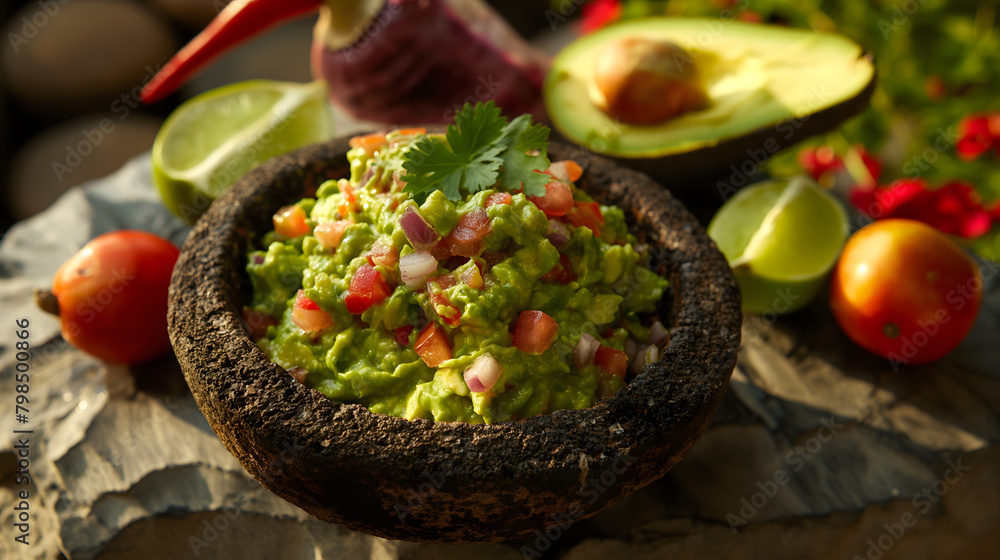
{"x": 212, "y": 139}
{"x": 781, "y": 238}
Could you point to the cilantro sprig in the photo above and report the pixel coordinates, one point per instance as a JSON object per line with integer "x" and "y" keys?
{"x": 480, "y": 147}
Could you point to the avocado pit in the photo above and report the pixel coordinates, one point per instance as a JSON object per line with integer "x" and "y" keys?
{"x": 644, "y": 81}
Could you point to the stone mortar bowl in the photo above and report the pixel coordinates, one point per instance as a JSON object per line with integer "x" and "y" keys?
{"x": 449, "y": 482}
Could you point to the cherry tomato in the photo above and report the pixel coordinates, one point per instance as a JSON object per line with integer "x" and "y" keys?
{"x": 903, "y": 290}
{"x": 112, "y": 296}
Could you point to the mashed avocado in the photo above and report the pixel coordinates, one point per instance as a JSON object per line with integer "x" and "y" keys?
{"x": 452, "y": 310}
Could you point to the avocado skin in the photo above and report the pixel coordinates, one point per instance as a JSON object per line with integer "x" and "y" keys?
{"x": 449, "y": 482}
{"x": 725, "y": 164}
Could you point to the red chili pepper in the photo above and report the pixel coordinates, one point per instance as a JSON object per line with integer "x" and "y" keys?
{"x": 238, "y": 21}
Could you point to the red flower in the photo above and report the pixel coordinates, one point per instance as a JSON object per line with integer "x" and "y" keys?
{"x": 978, "y": 134}
{"x": 822, "y": 160}
{"x": 598, "y": 13}
{"x": 819, "y": 161}
{"x": 954, "y": 208}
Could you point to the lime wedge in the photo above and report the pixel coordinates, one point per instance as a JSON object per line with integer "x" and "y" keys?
{"x": 781, "y": 238}
{"x": 212, "y": 139}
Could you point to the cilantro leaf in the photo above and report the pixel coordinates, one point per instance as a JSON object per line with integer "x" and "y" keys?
{"x": 518, "y": 166}
{"x": 477, "y": 149}
{"x": 468, "y": 158}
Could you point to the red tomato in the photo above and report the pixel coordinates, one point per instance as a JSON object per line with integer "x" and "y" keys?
{"x": 432, "y": 345}
{"x": 588, "y": 215}
{"x": 308, "y": 315}
{"x": 383, "y": 253}
{"x": 290, "y": 222}
{"x": 498, "y": 198}
{"x": 330, "y": 234}
{"x": 367, "y": 288}
{"x": 562, "y": 272}
{"x": 112, "y": 296}
{"x": 565, "y": 170}
{"x": 466, "y": 239}
{"x": 349, "y": 200}
{"x": 445, "y": 309}
{"x": 904, "y": 291}
{"x": 535, "y": 331}
{"x": 370, "y": 143}
{"x": 612, "y": 361}
{"x": 557, "y": 201}
{"x": 402, "y": 335}
{"x": 473, "y": 277}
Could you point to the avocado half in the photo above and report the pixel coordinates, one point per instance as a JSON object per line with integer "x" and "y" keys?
{"x": 449, "y": 482}
{"x": 768, "y": 88}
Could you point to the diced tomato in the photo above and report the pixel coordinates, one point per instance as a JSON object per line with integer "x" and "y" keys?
{"x": 498, "y": 198}
{"x": 473, "y": 277}
{"x": 467, "y": 237}
{"x": 557, "y": 201}
{"x": 411, "y": 131}
{"x": 290, "y": 222}
{"x": 432, "y": 345}
{"x": 588, "y": 215}
{"x": 494, "y": 258}
{"x": 442, "y": 305}
{"x": 349, "y": 202}
{"x": 562, "y": 272}
{"x": 367, "y": 288}
{"x": 535, "y": 332}
{"x": 383, "y": 253}
{"x": 369, "y": 142}
{"x": 565, "y": 170}
{"x": 612, "y": 361}
{"x": 257, "y": 322}
{"x": 330, "y": 234}
{"x": 402, "y": 335}
{"x": 308, "y": 315}
{"x": 445, "y": 281}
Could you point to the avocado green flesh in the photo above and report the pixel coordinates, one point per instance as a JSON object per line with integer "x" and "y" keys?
{"x": 358, "y": 360}
{"x": 756, "y": 76}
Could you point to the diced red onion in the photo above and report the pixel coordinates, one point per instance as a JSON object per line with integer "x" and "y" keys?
{"x": 482, "y": 374}
{"x": 421, "y": 234}
{"x": 645, "y": 356}
{"x": 657, "y": 334}
{"x": 415, "y": 268}
{"x": 558, "y": 233}
{"x": 584, "y": 352}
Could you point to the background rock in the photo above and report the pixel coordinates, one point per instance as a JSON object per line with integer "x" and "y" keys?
{"x": 125, "y": 465}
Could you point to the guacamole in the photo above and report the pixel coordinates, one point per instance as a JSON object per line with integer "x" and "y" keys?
{"x": 493, "y": 307}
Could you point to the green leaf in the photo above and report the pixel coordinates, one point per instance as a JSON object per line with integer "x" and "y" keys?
{"x": 479, "y": 147}
{"x": 519, "y": 167}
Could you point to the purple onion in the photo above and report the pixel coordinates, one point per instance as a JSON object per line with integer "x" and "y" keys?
{"x": 558, "y": 233}
{"x": 644, "y": 356}
{"x": 584, "y": 352}
{"x": 420, "y": 233}
{"x": 482, "y": 374}
{"x": 657, "y": 334}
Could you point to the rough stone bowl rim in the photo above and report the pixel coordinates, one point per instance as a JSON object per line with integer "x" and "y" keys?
{"x": 611, "y": 428}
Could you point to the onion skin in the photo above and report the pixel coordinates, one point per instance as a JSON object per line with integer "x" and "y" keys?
{"x": 419, "y": 61}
